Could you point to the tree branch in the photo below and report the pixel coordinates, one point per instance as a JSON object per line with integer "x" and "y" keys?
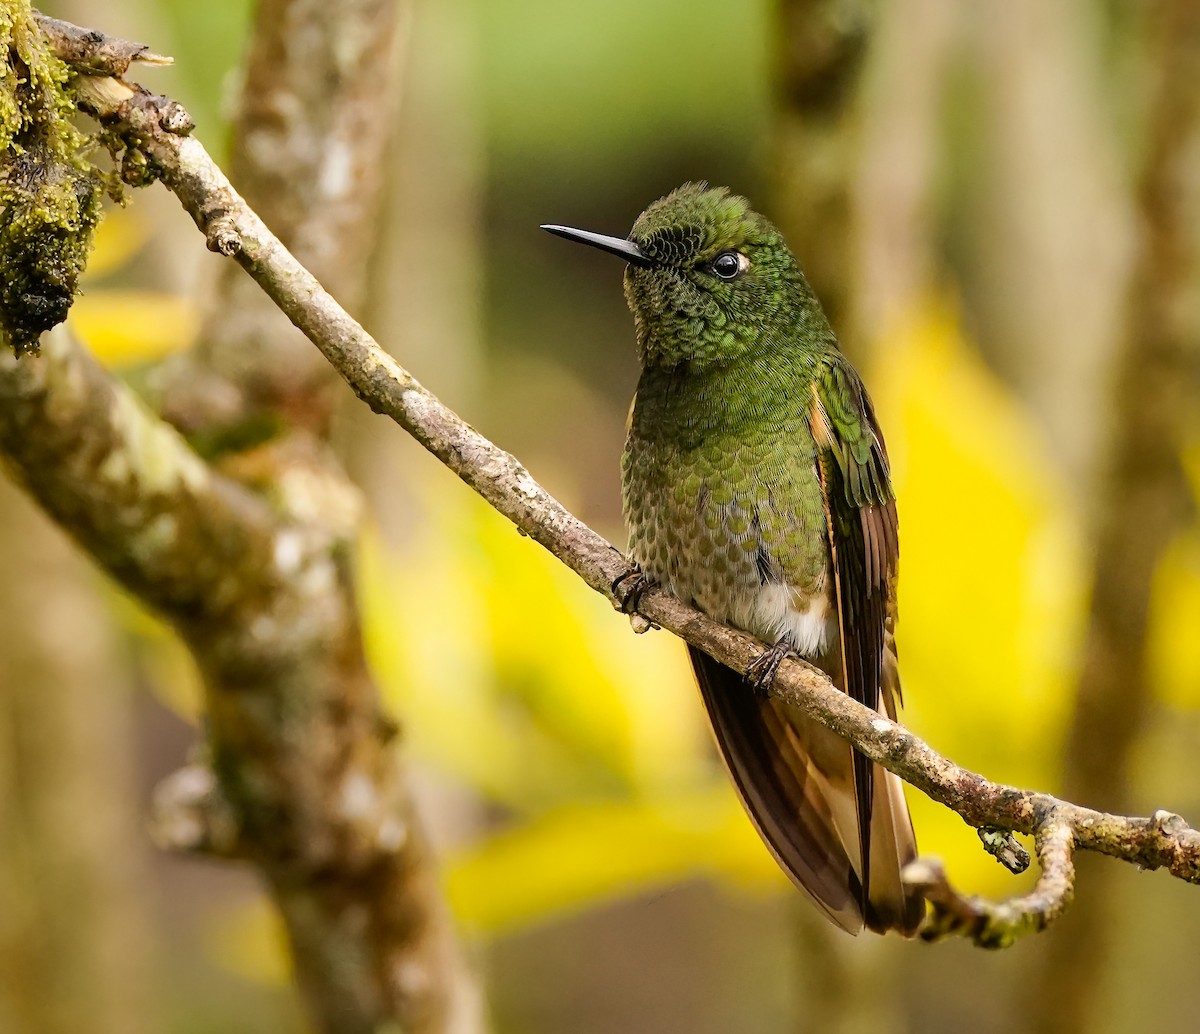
{"x": 998, "y": 925}
{"x": 314, "y": 175}
{"x": 230, "y": 227}
{"x": 127, "y": 487}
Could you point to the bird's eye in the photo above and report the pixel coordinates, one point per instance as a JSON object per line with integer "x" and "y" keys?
{"x": 729, "y": 265}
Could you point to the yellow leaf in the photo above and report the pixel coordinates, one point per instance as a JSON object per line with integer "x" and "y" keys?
{"x": 123, "y": 327}
{"x": 249, "y": 939}
{"x": 619, "y": 702}
{"x": 420, "y": 620}
{"x": 585, "y": 855}
{"x": 169, "y": 667}
{"x": 511, "y": 673}
{"x": 1191, "y": 466}
{"x": 1173, "y": 648}
{"x": 121, "y": 235}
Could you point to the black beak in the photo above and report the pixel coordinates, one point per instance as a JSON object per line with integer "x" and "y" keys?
{"x": 613, "y": 245}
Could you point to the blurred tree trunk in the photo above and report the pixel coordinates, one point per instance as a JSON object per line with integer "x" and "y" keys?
{"x": 73, "y": 934}
{"x": 820, "y": 50}
{"x": 1040, "y": 222}
{"x": 1146, "y": 501}
{"x": 895, "y": 202}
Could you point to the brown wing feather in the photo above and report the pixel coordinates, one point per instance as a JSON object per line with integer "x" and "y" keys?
{"x": 789, "y": 799}
{"x": 864, "y": 547}
{"x": 892, "y": 904}
{"x": 859, "y": 655}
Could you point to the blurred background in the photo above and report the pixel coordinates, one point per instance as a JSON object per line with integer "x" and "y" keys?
{"x": 986, "y": 198}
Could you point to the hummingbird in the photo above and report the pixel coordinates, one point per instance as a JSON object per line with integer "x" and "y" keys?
{"x": 756, "y": 487}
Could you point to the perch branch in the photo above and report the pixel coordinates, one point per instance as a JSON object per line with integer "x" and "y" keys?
{"x": 156, "y": 128}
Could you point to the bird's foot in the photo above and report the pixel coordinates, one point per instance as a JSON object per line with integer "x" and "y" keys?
{"x": 628, "y": 589}
{"x": 761, "y": 672}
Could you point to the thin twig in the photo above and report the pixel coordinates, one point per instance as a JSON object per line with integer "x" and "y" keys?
{"x": 997, "y": 925}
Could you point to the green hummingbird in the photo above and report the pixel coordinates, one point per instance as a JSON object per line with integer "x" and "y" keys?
{"x": 756, "y": 487}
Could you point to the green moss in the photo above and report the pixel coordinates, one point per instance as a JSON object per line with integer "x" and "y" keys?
{"x": 50, "y": 195}
{"x": 46, "y": 221}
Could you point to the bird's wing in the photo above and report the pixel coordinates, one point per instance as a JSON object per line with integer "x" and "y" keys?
{"x": 792, "y": 776}
{"x": 860, "y": 513}
{"x": 837, "y": 825}
{"x": 861, "y": 522}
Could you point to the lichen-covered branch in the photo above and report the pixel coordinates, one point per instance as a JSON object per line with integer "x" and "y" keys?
{"x": 997, "y": 925}
{"x": 94, "y": 53}
{"x": 233, "y": 229}
{"x": 49, "y": 193}
{"x": 319, "y": 798}
{"x": 127, "y": 487}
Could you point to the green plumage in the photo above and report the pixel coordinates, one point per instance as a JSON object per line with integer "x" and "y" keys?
{"x": 720, "y": 481}
{"x": 756, "y": 487}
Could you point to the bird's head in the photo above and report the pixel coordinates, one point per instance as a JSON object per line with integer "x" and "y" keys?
{"x": 708, "y": 278}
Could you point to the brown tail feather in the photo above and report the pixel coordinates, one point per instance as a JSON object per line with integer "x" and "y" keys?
{"x": 796, "y": 780}
{"x": 891, "y": 905}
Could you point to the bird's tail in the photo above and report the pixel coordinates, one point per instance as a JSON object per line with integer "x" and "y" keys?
{"x": 796, "y": 780}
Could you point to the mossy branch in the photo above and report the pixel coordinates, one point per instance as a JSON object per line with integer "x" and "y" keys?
{"x": 49, "y": 193}
{"x": 154, "y": 127}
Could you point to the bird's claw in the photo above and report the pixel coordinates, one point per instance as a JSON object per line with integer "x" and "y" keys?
{"x": 761, "y": 671}
{"x": 628, "y": 589}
